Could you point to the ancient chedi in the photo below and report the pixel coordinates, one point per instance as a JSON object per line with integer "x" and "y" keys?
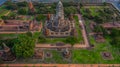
{"x": 7, "y": 54}
{"x": 57, "y": 25}
{"x": 31, "y": 7}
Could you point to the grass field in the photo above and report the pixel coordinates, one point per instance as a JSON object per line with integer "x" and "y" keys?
{"x": 80, "y": 38}
{"x": 79, "y": 56}
{"x": 87, "y": 56}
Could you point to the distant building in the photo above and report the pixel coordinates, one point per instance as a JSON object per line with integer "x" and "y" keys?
{"x": 81, "y": 1}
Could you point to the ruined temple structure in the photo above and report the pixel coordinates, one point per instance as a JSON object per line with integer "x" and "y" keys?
{"x": 7, "y": 55}
{"x": 31, "y": 7}
{"x": 57, "y": 25}
{"x": 19, "y": 26}
{"x": 66, "y": 53}
{"x": 39, "y": 54}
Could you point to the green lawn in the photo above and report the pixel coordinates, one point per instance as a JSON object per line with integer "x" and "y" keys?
{"x": 85, "y": 56}
{"x": 56, "y": 57}
{"x": 80, "y": 38}
{"x": 8, "y": 36}
{"x": 55, "y": 40}
{"x": 94, "y": 56}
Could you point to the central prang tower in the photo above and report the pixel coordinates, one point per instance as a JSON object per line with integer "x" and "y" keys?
{"x": 58, "y": 26}
{"x": 60, "y": 10}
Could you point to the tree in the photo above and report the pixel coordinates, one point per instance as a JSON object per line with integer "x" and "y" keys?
{"x": 11, "y": 6}
{"x": 24, "y": 47}
{"x": 81, "y": 5}
{"x": 98, "y": 19}
{"x": 12, "y": 15}
{"x": 104, "y": 4}
{"x": 70, "y": 10}
{"x": 22, "y": 4}
{"x": 40, "y": 17}
{"x": 98, "y": 29}
{"x": 67, "y": 4}
{"x": 115, "y": 38}
{"x": 29, "y": 34}
{"x": 71, "y": 40}
{"x": 22, "y": 11}
{"x": 5, "y": 17}
{"x": 41, "y": 39}
{"x": 9, "y": 42}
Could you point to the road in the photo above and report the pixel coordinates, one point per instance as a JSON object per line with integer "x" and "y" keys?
{"x": 84, "y": 33}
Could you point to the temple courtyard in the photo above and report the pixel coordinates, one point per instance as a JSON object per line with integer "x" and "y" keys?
{"x": 59, "y": 33}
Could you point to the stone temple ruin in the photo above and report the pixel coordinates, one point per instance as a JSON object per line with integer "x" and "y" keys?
{"x": 57, "y": 25}
{"x": 19, "y": 26}
{"x": 31, "y": 7}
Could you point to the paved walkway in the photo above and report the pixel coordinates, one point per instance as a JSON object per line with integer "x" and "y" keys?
{"x": 64, "y": 46}
{"x": 59, "y": 65}
{"x": 7, "y": 13}
{"x": 84, "y": 33}
{"x": 19, "y": 32}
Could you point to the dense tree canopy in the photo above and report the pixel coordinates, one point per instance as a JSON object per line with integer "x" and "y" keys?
{"x": 115, "y": 37}
{"x": 22, "y": 4}
{"x": 22, "y": 11}
{"x": 11, "y": 6}
{"x": 5, "y": 17}
{"x": 9, "y": 42}
{"x": 70, "y": 10}
{"x": 24, "y": 46}
{"x": 40, "y": 17}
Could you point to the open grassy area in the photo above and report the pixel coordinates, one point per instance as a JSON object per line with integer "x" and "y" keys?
{"x": 80, "y": 38}
{"x": 8, "y": 36}
{"x": 87, "y": 56}
{"x": 55, "y": 40}
{"x": 93, "y": 56}
{"x": 79, "y": 56}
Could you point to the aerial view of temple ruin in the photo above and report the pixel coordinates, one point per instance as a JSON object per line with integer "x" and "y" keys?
{"x": 58, "y": 26}
{"x": 59, "y": 33}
